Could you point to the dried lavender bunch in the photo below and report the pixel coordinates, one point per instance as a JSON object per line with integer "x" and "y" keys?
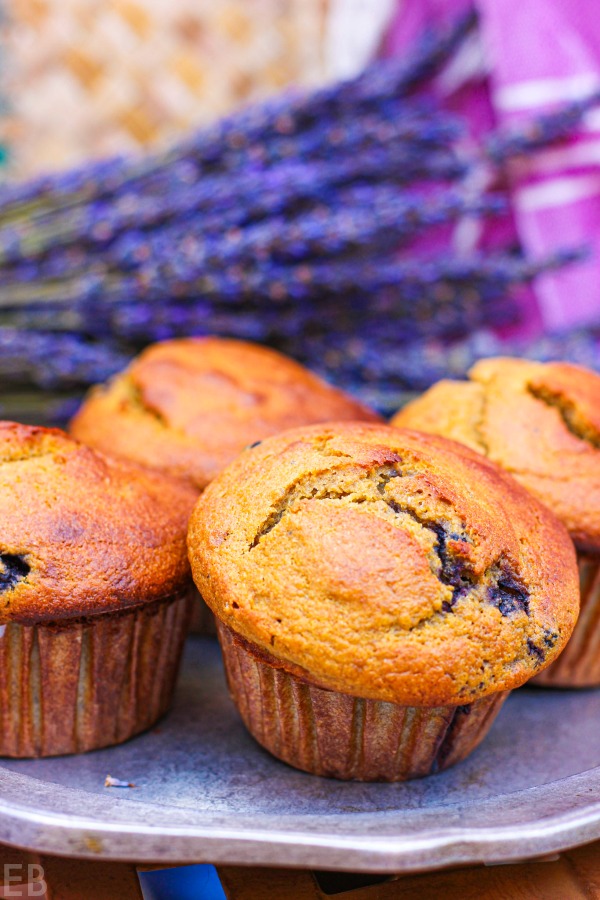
{"x": 174, "y": 260}
{"x": 280, "y": 224}
{"x": 218, "y": 202}
{"x": 428, "y": 297}
{"x": 255, "y": 193}
{"x": 546, "y": 129}
{"x": 50, "y": 361}
{"x": 446, "y": 297}
{"x": 283, "y": 189}
{"x": 362, "y": 216}
{"x": 387, "y": 375}
{"x": 383, "y": 375}
{"x": 422, "y": 279}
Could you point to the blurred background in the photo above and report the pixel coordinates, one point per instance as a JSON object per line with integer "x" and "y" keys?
{"x": 85, "y": 78}
{"x": 385, "y": 189}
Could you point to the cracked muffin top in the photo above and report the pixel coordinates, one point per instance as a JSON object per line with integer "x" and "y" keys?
{"x": 385, "y": 563}
{"x": 189, "y": 406}
{"x": 83, "y": 534}
{"x": 538, "y": 421}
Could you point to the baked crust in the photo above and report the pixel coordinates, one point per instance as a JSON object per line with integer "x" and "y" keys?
{"x": 386, "y": 564}
{"x": 190, "y": 406}
{"x": 84, "y": 534}
{"x": 538, "y": 421}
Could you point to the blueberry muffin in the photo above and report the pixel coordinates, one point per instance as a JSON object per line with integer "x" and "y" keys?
{"x": 189, "y": 406}
{"x": 541, "y": 423}
{"x": 377, "y": 593}
{"x": 94, "y": 594}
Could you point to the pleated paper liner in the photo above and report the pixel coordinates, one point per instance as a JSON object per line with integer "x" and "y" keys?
{"x": 90, "y": 683}
{"x": 337, "y": 735}
{"x": 578, "y": 665}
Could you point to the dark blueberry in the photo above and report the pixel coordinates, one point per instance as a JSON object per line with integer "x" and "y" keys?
{"x": 453, "y": 572}
{"x": 550, "y": 638}
{"x": 535, "y": 650}
{"x": 508, "y": 595}
{"x": 442, "y": 537}
{"x": 14, "y": 569}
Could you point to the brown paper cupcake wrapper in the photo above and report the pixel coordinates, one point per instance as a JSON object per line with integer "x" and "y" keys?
{"x": 328, "y": 733}
{"x": 81, "y": 685}
{"x": 579, "y": 663}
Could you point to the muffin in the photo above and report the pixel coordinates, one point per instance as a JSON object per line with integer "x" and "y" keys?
{"x": 94, "y": 594}
{"x": 188, "y": 407}
{"x": 377, "y": 592}
{"x": 541, "y": 423}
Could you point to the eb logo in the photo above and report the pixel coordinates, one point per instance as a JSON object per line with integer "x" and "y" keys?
{"x": 22, "y": 881}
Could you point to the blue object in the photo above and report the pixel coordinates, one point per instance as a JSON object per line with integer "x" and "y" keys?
{"x": 186, "y": 883}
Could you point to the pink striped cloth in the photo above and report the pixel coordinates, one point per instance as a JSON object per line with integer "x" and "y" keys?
{"x": 531, "y": 57}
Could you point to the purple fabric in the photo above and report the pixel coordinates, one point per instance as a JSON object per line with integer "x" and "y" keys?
{"x": 535, "y": 55}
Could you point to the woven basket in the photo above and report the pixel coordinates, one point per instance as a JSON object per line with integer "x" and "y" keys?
{"x": 86, "y": 78}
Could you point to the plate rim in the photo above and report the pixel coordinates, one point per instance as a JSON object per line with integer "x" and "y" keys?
{"x": 78, "y": 836}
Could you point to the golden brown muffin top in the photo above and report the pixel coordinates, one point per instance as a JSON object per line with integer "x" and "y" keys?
{"x": 539, "y": 421}
{"x": 385, "y": 563}
{"x": 190, "y": 406}
{"x": 83, "y": 534}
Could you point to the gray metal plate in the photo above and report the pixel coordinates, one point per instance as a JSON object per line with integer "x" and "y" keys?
{"x": 205, "y": 792}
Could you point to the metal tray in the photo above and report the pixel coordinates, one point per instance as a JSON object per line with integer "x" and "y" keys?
{"x": 205, "y": 792}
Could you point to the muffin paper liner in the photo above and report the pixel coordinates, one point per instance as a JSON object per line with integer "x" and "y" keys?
{"x": 88, "y": 683}
{"x": 579, "y": 663}
{"x": 337, "y": 735}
